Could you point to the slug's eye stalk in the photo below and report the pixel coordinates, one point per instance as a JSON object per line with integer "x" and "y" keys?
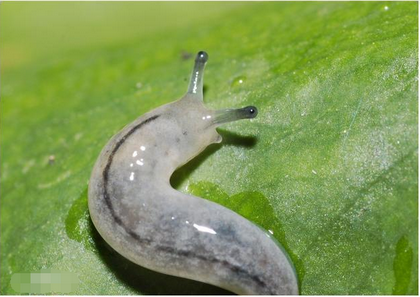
{"x": 196, "y": 83}
{"x": 231, "y": 115}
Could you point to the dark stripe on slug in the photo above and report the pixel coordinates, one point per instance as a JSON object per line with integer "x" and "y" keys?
{"x": 105, "y": 175}
{"x": 235, "y": 268}
{"x": 167, "y": 249}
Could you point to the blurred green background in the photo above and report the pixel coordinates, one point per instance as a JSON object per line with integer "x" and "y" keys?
{"x": 329, "y": 165}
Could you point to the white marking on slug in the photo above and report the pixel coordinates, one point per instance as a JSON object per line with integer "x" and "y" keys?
{"x": 138, "y": 162}
{"x": 132, "y": 176}
{"x": 143, "y": 148}
{"x": 134, "y": 154}
{"x": 204, "y": 229}
{"x": 195, "y": 82}
{"x": 271, "y": 231}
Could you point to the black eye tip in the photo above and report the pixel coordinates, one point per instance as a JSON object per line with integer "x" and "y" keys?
{"x": 202, "y": 56}
{"x": 252, "y": 111}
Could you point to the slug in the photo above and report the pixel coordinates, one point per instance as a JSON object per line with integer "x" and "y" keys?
{"x": 139, "y": 214}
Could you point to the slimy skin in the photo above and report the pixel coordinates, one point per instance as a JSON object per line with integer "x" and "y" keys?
{"x": 139, "y": 214}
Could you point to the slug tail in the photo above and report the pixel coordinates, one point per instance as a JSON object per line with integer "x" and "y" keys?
{"x": 195, "y": 87}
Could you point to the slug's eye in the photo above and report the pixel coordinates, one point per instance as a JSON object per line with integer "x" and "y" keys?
{"x": 202, "y": 57}
{"x": 252, "y": 111}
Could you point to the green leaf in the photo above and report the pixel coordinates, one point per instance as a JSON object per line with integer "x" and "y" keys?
{"x": 329, "y": 166}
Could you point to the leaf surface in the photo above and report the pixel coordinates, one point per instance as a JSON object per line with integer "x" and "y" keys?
{"x": 329, "y": 166}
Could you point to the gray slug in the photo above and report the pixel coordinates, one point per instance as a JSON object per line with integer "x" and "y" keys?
{"x": 139, "y": 214}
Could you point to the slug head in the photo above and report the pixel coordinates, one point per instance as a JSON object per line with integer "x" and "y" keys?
{"x": 199, "y": 122}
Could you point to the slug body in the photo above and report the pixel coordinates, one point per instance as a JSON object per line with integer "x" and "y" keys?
{"x": 139, "y": 214}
